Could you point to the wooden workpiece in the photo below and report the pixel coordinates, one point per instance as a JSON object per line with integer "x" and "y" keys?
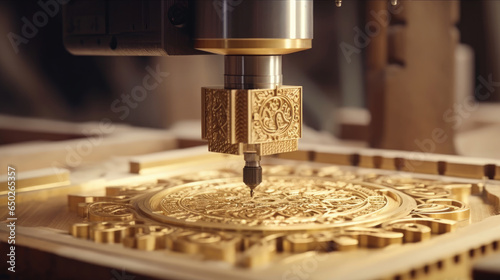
{"x": 455, "y": 255}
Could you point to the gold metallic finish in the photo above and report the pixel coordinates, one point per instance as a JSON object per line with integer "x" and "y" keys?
{"x": 147, "y": 237}
{"x": 107, "y": 232}
{"x": 80, "y": 230}
{"x": 374, "y": 237}
{"x": 75, "y": 201}
{"x": 259, "y": 254}
{"x": 343, "y": 243}
{"x": 297, "y": 209}
{"x": 423, "y": 189}
{"x": 323, "y": 241}
{"x": 412, "y": 232}
{"x": 449, "y": 209}
{"x": 83, "y": 210}
{"x": 278, "y": 147}
{"x": 121, "y": 193}
{"x": 252, "y": 46}
{"x": 275, "y": 115}
{"x": 298, "y": 243}
{"x": 281, "y": 204}
{"x": 212, "y": 245}
{"x": 269, "y": 120}
{"x": 436, "y": 199}
{"x": 460, "y": 191}
{"x": 436, "y": 226}
{"x": 141, "y": 241}
{"x": 109, "y": 211}
{"x": 226, "y": 249}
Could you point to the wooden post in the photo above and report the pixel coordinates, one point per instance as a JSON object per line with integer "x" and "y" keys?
{"x": 410, "y": 75}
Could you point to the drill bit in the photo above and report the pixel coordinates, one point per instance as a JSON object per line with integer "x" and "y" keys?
{"x": 252, "y": 172}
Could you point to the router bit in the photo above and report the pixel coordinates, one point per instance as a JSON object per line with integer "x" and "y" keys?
{"x": 252, "y": 172}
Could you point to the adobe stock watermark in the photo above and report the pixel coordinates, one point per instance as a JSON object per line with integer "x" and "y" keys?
{"x": 138, "y": 93}
{"x": 11, "y": 218}
{"x": 455, "y": 115}
{"x": 224, "y": 7}
{"x": 363, "y": 38}
{"x": 75, "y": 154}
{"x": 30, "y": 28}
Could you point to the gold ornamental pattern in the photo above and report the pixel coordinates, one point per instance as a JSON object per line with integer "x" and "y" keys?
{"x": 269, "y": 119}
{"x": 218, "y": 121}
{"x": 297, "y": 209}
{"x": 277, "y": 115}
{"x": 282, "y": 204}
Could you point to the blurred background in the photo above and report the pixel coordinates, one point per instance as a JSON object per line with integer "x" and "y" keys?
{"x": 41, "y": 79}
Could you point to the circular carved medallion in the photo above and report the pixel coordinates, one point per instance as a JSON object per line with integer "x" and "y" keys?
{"x": 281, "y": 203}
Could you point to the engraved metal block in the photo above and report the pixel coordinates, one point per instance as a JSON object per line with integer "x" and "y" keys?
{"x": 268, "y": 119}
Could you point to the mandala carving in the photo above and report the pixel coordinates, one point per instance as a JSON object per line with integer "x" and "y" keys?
{"x": 296, "y": 209}
{"x": 283, "y": 204}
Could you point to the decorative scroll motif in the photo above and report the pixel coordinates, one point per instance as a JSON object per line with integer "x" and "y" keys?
{"x": 297, "y": 209}
{"x": 110, "y": 211}
{"x": 276, "y": 114}
{"x": 443, "y": 209}
{"x": 220, "y": 115}
{"x": 217, "y": 127}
